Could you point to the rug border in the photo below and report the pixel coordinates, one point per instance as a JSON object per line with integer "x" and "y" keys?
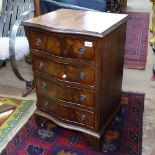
{"x": 139, "y": 65}
{"x": 20, "y": 124}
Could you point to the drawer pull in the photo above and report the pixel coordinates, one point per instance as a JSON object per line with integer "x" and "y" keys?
{"x": 64, "y": 76}
{"x": 83, "y": 117}
{"x": 41, "y": 65}
{"x": 43, "y": 85}
{"x": 45, "y": 103}
{"x": 82, "y": 75}
{"x": 38, "y": 42}
{"x": 82, "y": 50}
{"x": 82, "y": 98}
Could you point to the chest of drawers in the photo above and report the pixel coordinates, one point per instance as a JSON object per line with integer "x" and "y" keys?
{"x": 77, "y": 58}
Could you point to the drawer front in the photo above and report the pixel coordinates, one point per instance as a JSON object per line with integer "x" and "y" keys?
{"x": 79, "y": 49}
{"x": 72, "y": 73}
{"x": 45, "y": 42}
{"x": 65, "y": 112}
{"x": 68, "y": 47}
{"x": 65, "y": 93}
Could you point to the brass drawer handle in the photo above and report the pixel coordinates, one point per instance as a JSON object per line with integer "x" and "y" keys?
{"x": 38, "y": 42}
{"x": 45, "y": 103}
{"x": 82, "y": 98}
{"x": 82, "y": 50}
{"x": 43, "y": 85}
{"x": 82, "y": 75}
{"x": 64, "y": 76}
{"x": 41, "y": 65}
{"x": 83, "y": 117}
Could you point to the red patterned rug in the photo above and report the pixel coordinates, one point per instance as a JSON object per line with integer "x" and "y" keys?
{"x": 136, "y": 40}
{"x": 124, "y": 137}
{"x": 153, "y": 77}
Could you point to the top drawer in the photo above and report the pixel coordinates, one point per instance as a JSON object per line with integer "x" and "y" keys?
{"x": 44, "y": 42}
{"x": 62, "y": 46}
{"x": 79, "y": 49}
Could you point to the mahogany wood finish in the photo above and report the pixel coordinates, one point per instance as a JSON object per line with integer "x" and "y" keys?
{"x": 72, "y": 73}
{"x": 44, "y": 42}
{"x": 66, "y": 112}
{"x": 62, "y": 92}
{"x": 67, "y": 47}
{"x": 37, "y": 7}
{"x": 77, "y": 59}
{"x": 75, "y": 49}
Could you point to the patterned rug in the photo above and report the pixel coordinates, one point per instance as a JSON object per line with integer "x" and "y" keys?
{"x": 13, "y": 115}
{"x": 124, "y": 137}
{"x": 136, "y": 40}
{"x": 153, "y": 77}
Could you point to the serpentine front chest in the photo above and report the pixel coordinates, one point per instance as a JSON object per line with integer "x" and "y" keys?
{"x": 77, "y": 58}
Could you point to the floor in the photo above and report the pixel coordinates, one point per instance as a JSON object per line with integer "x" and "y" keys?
{"x": 133, "y": 80}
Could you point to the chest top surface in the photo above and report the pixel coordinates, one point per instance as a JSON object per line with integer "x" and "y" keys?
{"x": 91, "y": 23}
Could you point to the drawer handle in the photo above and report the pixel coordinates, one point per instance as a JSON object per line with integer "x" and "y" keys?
{"x": 82, "y": 50}
{"x": 82, "y": 75}
{"x": 43, "y": 85}
{"x": 83, "y": 117}
{"x": 38, "y": 42}
{"x": 45, "y": 103}
{"x": 41, "y": 65}
{"x": 64, "y": 76}
{"x": 82, "y": 98}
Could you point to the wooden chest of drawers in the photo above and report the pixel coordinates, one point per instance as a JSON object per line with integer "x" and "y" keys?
{"x": 77, "y": 59}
